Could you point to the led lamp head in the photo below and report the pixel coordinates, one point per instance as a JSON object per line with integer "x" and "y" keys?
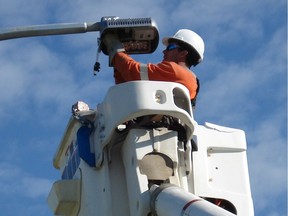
{"x": 138, "y": 36}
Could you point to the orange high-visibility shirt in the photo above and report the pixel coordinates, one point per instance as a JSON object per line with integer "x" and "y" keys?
{"x": 127, "y": 69}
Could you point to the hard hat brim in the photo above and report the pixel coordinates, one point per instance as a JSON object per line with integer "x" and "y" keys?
{"x": 165, "y": 40}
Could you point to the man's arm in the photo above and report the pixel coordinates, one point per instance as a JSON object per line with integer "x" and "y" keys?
{"x": 126, "y": 68}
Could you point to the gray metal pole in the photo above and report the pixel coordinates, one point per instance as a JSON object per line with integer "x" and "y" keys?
{"x": 49, "y": 29}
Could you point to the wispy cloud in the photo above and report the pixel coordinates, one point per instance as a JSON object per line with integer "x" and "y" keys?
{"x": 16, "y": 182}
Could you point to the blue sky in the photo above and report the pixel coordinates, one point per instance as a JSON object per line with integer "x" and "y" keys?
{"x": 243, "y": 85}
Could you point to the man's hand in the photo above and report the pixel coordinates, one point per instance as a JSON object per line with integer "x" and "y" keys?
{"x": 113, "y": 46}
{"x": 79, "y": 106}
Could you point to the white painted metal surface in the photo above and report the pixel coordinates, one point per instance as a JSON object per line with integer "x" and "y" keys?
{"x": 115, "y": 155}
{"x": 170, "y": 200}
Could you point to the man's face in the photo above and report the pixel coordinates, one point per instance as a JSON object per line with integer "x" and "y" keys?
{"x": 173, "y": 53}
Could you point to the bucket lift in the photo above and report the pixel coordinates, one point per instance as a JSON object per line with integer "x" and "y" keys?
{"x": 125, "y": 165}
{"x": 120, "y": 159}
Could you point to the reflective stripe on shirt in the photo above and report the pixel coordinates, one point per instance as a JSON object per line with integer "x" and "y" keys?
{"x": 144, "y": 72}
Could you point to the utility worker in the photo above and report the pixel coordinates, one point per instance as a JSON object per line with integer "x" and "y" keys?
{"x": 183, "y": 50}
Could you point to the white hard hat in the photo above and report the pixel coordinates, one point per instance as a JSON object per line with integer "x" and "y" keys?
{"x": 189, "y": 38}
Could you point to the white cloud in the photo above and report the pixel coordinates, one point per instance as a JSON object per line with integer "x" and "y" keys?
{"x": 35, "y": 187}
{"x": 267, "y": 149}
{"x": 16, "y": 182}
{"x": 17, "y": 12}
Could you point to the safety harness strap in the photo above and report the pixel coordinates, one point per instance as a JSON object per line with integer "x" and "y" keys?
{"x": 193, "y": 101}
